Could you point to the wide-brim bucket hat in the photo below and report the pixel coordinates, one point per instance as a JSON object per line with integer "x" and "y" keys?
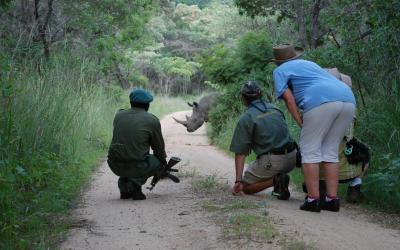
{"x": 286, "y": 52}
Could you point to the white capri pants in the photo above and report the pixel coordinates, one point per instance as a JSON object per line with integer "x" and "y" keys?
{"x": 322, "y": 131}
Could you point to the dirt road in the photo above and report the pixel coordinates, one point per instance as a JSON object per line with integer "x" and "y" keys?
{"x": 172, "y": 217}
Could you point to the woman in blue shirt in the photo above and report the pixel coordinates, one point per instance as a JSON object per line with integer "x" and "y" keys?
{"x": 327, "y": 106}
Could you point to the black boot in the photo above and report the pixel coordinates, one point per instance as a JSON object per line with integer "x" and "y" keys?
{"x": 281, "y": 186}
{"x": 333, "y": 205}
{"x": 125, "y": 195}
{"x": 137, "y": 193}
{"x": 313, "y": 206}
{"x": 354, "y": 194}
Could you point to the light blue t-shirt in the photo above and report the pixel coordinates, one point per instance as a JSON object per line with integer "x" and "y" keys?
{"x": 311, "y": 84}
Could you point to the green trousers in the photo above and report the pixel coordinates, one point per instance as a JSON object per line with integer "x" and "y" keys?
{"x": 135, "y": 173}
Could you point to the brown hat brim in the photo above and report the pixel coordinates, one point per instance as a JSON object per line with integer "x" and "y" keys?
{"x": 299, "y": 52}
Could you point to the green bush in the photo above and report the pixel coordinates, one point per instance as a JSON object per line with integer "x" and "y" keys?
{"x": 254, "y": 50}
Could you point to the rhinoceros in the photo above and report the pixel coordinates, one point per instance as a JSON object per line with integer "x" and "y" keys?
{"x": 199, "y": 112}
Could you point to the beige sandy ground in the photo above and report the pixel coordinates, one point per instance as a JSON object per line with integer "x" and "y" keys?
{"x": 172, "y": 218}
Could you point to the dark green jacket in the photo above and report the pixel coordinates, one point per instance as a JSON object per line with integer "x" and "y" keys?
{"x": 135, "y": 131}
{"x": 261, "y": 128}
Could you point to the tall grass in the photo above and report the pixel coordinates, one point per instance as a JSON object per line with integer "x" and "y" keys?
{"x": 55, "y": 123}
{"x": 379, "y": 127}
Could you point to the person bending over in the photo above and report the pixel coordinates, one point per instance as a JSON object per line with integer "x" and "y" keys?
{"x": 328, "y": 108}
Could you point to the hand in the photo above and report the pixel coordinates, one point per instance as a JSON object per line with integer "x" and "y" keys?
{"x": 238, "y": 189}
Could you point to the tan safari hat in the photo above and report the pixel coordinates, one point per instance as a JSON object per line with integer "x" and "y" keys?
{"x": 286, "y": 52}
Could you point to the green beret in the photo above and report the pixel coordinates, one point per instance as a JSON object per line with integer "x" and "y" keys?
{"x": 140, "y": 96}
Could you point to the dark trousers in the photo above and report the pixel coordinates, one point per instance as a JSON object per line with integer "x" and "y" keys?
{"x": 135, "y": 173}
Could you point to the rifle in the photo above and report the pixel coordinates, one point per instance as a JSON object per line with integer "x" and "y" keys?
{"x": 165, "y": 172}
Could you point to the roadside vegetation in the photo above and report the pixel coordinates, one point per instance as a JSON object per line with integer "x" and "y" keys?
{"x": 358, "y": 38}
{"x": 66, "y": 67}
{"x": 243, "y": 220}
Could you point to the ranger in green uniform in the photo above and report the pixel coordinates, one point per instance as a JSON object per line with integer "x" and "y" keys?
{"x": 262, "y": 128}
{"x": 135, "y": 131}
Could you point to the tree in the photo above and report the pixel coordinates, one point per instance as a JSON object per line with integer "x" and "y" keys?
{"x": 174, "y": 73}
{"x": 299, "y": 11}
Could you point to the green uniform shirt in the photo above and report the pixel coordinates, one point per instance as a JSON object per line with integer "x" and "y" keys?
{"x": 261, "y": 128}
{"x": 135, "y": 131}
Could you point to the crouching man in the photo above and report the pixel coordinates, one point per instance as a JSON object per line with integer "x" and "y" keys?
{"x": 262, "y": 128}
{"x": 135, "y": 131}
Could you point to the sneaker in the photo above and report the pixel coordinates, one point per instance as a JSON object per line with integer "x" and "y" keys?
{"x": 354, "y": 194}
{"x": 313, "y": 206}
{"x": 281, "y": 187}
{"x": 125, "y": 195}
{"x": 333, "y": 205}
{"x": 137, "y": 193}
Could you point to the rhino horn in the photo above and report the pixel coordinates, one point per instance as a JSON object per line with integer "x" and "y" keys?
{"x": 184, "y": 123}
{"x": 190, "y": 104}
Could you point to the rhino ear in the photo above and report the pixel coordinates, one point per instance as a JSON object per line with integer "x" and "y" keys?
{"x": 195, "y": 104}
{"x": 191, "y": 105}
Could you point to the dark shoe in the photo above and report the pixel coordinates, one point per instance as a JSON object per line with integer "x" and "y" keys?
{"x": 333, "y": 205}
{"x": 281, "y": 187}
{"x": 313, "y": 206}
{"x": 354, "y": 194}
{"x": 125, "y": 195}
{"x": 137, "y": 193}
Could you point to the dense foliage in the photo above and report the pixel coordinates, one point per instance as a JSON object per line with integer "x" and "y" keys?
{"x": 360, "y": 38}
{"x": 60, "y": 64}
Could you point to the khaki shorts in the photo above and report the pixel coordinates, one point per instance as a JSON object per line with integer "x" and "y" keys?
{"x": 323, "y": 130}
{"x": 269, "y": 165}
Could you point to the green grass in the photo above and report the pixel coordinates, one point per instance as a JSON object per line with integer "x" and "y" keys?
{"x": 55, "y": 125}
{"x": 241, "y": 204}
{"x": 243, "y": 218}
{"x": 249, "y": 226}
{"x": 237, "y": 204}
{"x": 207, "y": 183}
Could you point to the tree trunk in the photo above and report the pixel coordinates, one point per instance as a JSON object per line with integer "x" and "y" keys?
{"x": 299, "y": 5}
{"x": 314, "y": 23}
{"x": 121, "y": 79}
{"x": 43, "y": 26}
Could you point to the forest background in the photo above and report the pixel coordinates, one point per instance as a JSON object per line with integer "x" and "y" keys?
{"x": 65, "y": 67}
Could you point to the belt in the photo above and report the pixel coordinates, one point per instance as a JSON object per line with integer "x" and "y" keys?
{"x": 289, "y": 147}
